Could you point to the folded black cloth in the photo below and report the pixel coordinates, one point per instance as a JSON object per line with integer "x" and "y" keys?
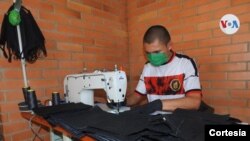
{"x": 146, "y": 109}
{"x": 95, "y": 117}
{"x": 136, "y": 124}
{"x": 45, "y": 112}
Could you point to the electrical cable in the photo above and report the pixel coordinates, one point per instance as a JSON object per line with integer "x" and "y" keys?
{"x": 34, "y": 132}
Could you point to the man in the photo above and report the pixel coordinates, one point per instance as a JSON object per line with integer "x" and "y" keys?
{"x": 173, "y": 78}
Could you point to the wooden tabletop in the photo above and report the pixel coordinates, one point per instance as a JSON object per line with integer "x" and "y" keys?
{"x": 41, "y": 121}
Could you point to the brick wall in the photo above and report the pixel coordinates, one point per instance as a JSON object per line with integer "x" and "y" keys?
{"x": 223, "y": 60}
{"x": 79, "y": 34}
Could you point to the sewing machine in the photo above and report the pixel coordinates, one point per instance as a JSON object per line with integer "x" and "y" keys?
{"x": 80, "y": 87}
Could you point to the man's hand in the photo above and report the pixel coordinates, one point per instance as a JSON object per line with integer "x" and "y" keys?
{"x": 191, "y": 101}
{"x": 135, "y": 99}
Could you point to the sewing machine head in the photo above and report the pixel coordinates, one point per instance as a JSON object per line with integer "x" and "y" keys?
{"x": 80, "y": 87}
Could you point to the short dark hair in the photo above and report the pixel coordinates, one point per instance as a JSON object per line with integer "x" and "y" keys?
{"x": 157, "y": 32}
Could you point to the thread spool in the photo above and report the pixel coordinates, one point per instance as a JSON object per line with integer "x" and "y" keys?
{"x": 55, "y": 98}
{"x": 25, "y": 91}
{"x": 32, "y": 100}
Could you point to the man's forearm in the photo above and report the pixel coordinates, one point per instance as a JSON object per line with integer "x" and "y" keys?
{"x": 184, "y": 103}
{"x": 135, "y": 99}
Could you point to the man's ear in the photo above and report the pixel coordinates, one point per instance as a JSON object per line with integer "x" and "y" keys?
{"x": 170, "y": 44}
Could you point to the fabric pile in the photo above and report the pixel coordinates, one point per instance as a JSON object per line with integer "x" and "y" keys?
{"x": 134, "y": 125}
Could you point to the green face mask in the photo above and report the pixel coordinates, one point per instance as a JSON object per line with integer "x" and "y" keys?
{"x": 157, "y": 59}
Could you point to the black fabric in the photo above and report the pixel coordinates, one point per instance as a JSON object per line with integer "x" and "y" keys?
{"x": 45, "y": 112}
{"x": 124, "y": 124}
{"x": 147, "y": 108}
{"x": 204, "y": 107}
{"x": 136, "y": 124}
{"x": 33, "y": 40}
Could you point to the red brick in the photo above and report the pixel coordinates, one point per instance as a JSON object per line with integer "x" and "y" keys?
{"x": 5, "y": 5}
{"x": 44, "y": 25}
{"x": 61, "y": 55}
{"x": 15, "y": 116}
{"x": 230, "y": 49}
{"x": 236, "y": 10}
{"x": 176, "y": 38}
{"x": 22, "y": 136}
{"x": 108, "y": 51}
{"x": 94, "y": 19}
{"x": 213, "y": 6}
{"x": 2, "y": 96}
{"x": 245, "y": 94}
{"x": 58, "y": 2}
{"x": 44, "y": 83}
{"x": 70, "y": 47}
{"x": 205, "y": 84}
{"x": 244, "y": 18}
{"x": 208, "y": 25}
{"x": 85, "y": 57}
{"x": 44, "y": 64}
{"x": 53, "y": 17}
{"x": 5, "y": 64}
{"x": 193, "y": 20}
{"x": 4, "y": 118}
{"x": 239, "y": 111}
{"x": 70, "y": 64}
{"x": 50, "y": 44}
{"x": 185, "y": 13}
{"x": 229, "y": 84}
{"x": 198, "y": 52}
{"x": 221, "y": 110}
{"x": 91, "y": 3}
{"x": 69, "y": 30}
{"x": 194, "y": 3}
{"x": 223, "y": 67}
{"x": 213, "y": 76}
{"x": 185, "y": 45}
{"x": 228, "y": 102}
{"x": 197, "y": 35}
{"x": 214, "y": 42}
{"x": 79, "y": 7}
{"x": 9, "y": 107}
{"x": 237, "y": 2}
{"x": 55, "y": 36}
{"x": 82, "y": 40}
{"x": 67, "y": 12}
{"x": 212, "y": 59}
{"x": 147, "y": 16}
{"x": 169, "y": 9}
{"x": 104, "y": 43}
{"x": 241, "y": 38}
{"x": 143, "y": 3}
{"x": 15, "y": 95}
{"x": 106, "y": 15}
{"x": 239, "y": 57}
{"x": 11, "y": 84}
{"x": 56, "y": 73}
{"x": 239, "y": 76}
{"x": 215, "y": 93}
{"x": 113, "y": 10}
{"x": 17, "y": 74}
{"x": 183, "y": 30}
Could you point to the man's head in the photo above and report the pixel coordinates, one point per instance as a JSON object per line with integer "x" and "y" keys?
{"x": 157, "y": 32}
{"x": 157, "y": 45}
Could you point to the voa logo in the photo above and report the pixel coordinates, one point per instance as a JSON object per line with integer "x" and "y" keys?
{"x": 229, "y": 24}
